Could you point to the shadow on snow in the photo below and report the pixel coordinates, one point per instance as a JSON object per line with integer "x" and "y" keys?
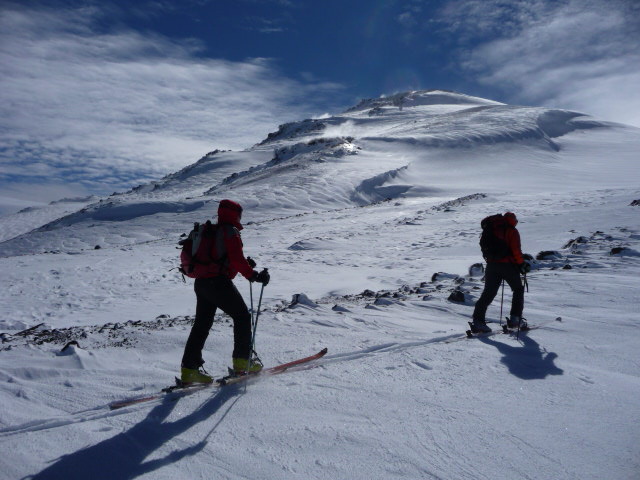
{"x": 122, "y": 457}
{"x": 527, "y": 360}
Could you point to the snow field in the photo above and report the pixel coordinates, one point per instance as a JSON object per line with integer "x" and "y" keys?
{"x": 391, "y": 396}
{"x": 359, "y": 227}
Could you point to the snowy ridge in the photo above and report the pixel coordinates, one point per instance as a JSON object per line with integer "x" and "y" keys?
{"x": 386, "y": 165}
{"x": 377, "y": 188}
{"x": 317, "y": 150}
{"x": 419, "y": 98}
{"x": 369, "y": 223}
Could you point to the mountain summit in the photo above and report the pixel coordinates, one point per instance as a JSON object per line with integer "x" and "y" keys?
{"x": 417, "y": 144}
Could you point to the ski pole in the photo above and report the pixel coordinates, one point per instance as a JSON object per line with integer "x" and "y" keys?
{"x": 501, "y": 302}
{"x": 251, "y": 299}
{"x": 255, "y": 322}
{"x": 254, "y": 326}
{"x": 526, "y": 285}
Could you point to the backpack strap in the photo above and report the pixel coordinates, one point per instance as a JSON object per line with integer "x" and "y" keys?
{"x": 221, "y": 249}
{"x": 196, "y": 236}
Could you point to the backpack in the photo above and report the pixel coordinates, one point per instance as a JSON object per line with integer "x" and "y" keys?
{"x": 492, "y": 246}
{"x": 203, "y": 252}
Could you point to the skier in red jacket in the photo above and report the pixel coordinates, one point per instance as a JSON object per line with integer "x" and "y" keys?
{"x": 216, "y": 290}
{"x": 504, "y": 268}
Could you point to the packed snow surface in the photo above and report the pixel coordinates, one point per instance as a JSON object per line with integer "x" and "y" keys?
{"x": 369, "y": 224}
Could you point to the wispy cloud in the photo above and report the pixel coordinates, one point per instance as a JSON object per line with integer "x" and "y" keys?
{"x": 108, "y": 109}
{"x": 265, "y": 25}
{"x": 412, "y": 20}
{"x": 576, "y": 54}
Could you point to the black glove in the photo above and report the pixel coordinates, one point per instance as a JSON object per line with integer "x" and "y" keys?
{"x": 263, "y": 277}
{"x": 251, "y": 262}
{"x": 524, "y": 268}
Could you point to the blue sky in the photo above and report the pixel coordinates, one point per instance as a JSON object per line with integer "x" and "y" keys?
{"x": 99, "y": 96}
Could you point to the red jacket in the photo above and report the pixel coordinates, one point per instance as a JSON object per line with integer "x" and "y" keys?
{"x": 229, "y": 216}
{"x": 509, "y": 233}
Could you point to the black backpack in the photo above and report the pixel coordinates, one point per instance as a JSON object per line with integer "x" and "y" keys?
{"x": 493, "y": 247}
{"x": 203, "y": 251}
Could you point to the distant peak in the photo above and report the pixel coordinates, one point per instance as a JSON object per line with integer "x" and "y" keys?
{"x": 414, "y": 98}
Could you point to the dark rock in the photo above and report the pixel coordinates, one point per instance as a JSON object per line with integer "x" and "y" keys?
{"x": 456, "y": 296}
{"x": 575, "y": 241}
{"x": 73, "y": 342}
{"x": 476, "y": 270}
{"x": 548, "y": 255}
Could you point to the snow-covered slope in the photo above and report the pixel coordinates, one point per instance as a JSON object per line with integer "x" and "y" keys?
{"x": 356, "y": 211}
{"x": 439, "y": 145}
{"x": 31, "y": 218}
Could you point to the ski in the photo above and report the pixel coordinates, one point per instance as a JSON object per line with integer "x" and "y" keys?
{"x": 184, "y": 389}
{"x": 523, "y": 328}
{"x": 231, "y": 379}
{"x": 504, "y": 330}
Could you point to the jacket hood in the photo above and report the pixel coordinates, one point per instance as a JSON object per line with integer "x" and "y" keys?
{"x": 230, "y": 212}
{"x": 511, "y": 219}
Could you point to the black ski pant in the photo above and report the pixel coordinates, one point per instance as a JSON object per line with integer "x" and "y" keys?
{"x": 493, "y": 277}
{"x": 211, "y": 294}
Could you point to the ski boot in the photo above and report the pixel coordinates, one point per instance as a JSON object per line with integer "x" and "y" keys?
{"x": 194, "y": 375}
{"x": 241, "y": 366}
{"x": 516, "y": 321}
{"x": 479, "y": 326}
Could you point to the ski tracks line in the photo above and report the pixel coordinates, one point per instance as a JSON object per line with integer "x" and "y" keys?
{"x": 402, "y": 346}
{"x": 70, "y": 419}
{"x": 388, "y": 348}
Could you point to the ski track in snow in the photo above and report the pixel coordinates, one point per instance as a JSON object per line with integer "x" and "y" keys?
{"x": 353, "y": 215}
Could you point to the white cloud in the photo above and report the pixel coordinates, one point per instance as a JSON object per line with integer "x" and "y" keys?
{"x": 112, "y": 109}
{"x": 575, "y": 54}
{"x": 473, "y": 19}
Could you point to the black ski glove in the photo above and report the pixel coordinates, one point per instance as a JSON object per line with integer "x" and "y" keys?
{"x": 524, "y": 268}
{"x": 263, "y": 277}
{"x": 252, "y": 262}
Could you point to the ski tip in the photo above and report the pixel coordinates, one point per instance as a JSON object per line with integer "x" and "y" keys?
{"x": 324, "y": 351}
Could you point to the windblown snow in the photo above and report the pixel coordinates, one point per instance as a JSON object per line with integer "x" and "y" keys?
{"x": 369, "y": 224}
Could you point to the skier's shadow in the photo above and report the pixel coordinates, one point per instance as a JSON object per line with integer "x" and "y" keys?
{"x": 123, "y": 457}
{"x": 526, "y": 360}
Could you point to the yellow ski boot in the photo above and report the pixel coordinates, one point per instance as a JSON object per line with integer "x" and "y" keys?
{"x": 194, "y": 375}
{"x": 241, "y": 366}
